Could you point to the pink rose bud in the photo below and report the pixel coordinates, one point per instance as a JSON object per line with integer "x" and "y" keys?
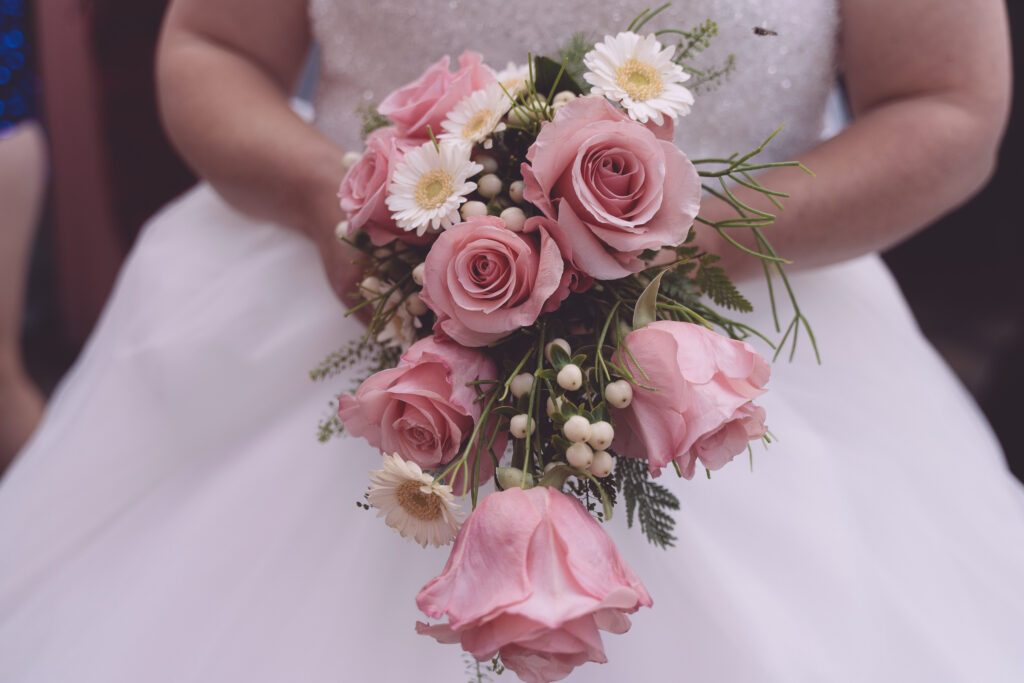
{"x": 534, "y": 578}
{"x": 702, "y": 408}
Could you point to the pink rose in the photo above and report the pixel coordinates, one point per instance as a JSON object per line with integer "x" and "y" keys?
{"x": 533, "y": 577}
{"x": 701, "y": 409}
{"x": 427, "y": 100}
{"x": 364, "y": 189}
{"x": 573, "y": 277}
{"x": 423, "y": 408}
{"x": 615, "y": 187}
{"x": 484, "y": 281}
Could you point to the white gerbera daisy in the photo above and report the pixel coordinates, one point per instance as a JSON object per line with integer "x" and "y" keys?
{"x": 477, "y": 116}
{"x": 413, "y": 504}
{"x": 430, "y": 184}
{"x": 639, "y": 73}
{"x": 513, "y": 78}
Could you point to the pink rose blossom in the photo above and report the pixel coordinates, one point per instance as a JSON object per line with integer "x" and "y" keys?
{"x": 423, "y": 408}
{"x": 427, "y": 100}
{"x": 574, "y": 279}
{"x": 701, "y": 409}
{"x": 534, "y": 578}
{"x": 484, "y": 281}
{"x": 615, "y": 187}
{"x": 364, "y": 189}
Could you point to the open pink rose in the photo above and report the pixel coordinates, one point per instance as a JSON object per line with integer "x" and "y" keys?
{"x": 364, "y": 189}
{"x": 533, "y": 577}
{"x": 484, "y": 281}
{"x": 574, "y": 279}
{"x": 423, "y": 408}
{"x": 615, "y": 187}
{"x": 427, "y": 100}
{"x": 701, "y": 408}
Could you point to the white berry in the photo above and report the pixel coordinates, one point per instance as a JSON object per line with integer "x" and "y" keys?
{"x": 341, "y": 230}
{"x": 520, "y": 426}
{"x": 563, "y": 98}
{"x": 601, "y": 435}
{"x": 554, "y": 406}
{"x": 488, "y": 162}
{"x": 522, "y": 384}
{"x": 514, "y": 218}
{"x": 577, "y": 429}
{"x": 580, "y": 455}
{"x": 417, "y": 274}
{"x": 414, "y": 304}
{"x": 570, "y": 377}
{"x": 515, "y": 191}
{"x": 471, "y": 209}
{"x": 602, "y": 465}
{"x": 350, "y": 159}
{"x": 619, "y": 393}
{"x": 489, "y": 186}
{"x": 557, "y": 342}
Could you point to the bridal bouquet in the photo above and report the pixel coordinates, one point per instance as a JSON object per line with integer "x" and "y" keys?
{"x": 546, "y": 325}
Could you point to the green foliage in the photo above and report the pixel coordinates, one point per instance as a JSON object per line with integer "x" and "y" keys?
{"x": 714, "y": 283}
{"x": 329, "y": 427}
{"x": 551, "y": 77}
{"x": 372, "y": 120}
{"x": 647, "y": 501}
{"x": 571, "y": 55}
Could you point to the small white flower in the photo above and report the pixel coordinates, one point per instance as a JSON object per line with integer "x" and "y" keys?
{"x": 477, "y": 116}
{"x": 639, "y": 73}
{"x": 430, "y": 184}
{"x": 413, "y": 504}
{"x": 513, "y": 78}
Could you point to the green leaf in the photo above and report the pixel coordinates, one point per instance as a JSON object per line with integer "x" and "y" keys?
{"x": 715, "y": 283}
{"x": 646, "y": 311}
{"x": 546, "y": 74}
{"x": 647, "y": 501}
{"x": 559, "y": 358}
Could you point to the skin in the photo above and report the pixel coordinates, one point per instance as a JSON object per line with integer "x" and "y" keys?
{"x": 929, "y": 87}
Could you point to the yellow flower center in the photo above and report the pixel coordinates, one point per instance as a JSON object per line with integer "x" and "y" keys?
{"x": 640, "y": 80}
{"x": 433, "y": 189}
{"x": 422, "y": 506}
{"x": 478, "y": 124}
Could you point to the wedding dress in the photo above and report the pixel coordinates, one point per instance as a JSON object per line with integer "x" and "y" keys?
{"x": 175, "y": 519}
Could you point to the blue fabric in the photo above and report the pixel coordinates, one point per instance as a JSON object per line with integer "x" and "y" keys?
{"x": 17, "y": 78}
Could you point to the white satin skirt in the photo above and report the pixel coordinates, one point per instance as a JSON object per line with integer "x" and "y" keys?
{"x": 176, "y": 521}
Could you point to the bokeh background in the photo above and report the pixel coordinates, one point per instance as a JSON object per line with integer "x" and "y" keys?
{"x": 111, "y": 167}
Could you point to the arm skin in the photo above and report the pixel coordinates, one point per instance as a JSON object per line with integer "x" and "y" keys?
{"x": 225, "y": 71}
{"x": 929, "y": 86}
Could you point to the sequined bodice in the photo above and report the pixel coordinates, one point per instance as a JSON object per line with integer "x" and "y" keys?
{"x": 784, "y": 77}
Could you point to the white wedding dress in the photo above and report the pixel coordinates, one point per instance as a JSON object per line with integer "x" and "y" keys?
{"x": 175, "y": 520}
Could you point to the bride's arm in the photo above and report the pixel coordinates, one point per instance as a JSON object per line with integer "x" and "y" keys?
{"x": 225, "y": 71}
{"x": 929, "y": 86}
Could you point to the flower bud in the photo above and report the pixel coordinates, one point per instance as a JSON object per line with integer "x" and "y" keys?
{"x": 601, "y": 435}
{"x": 557, "y": 342}
{"x": 619, "y": 393}
{"x": 514, "y": 218}
{"x": 515, "y": 191}
{"x": 371, "y": 286}
{"x": 602, "y": 465}
{"x": 471, "y": 209}
{"x": 520, "y": 426}
{"x": 341, "y": 230}
{"x": 522, "y": 384}
{"x": 489, "y": 186}
{"x": 579, "y": 455}
{"x": 417, "y": 274}
{"x": 577, "y": 429}
{"x": 570, "y": 377}
{"x": 414, "y": 304}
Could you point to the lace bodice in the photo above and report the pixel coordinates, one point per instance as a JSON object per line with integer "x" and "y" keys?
{"x": 369, "y": 48}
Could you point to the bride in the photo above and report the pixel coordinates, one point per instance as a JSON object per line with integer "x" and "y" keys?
{"x": 175, "y": 520}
